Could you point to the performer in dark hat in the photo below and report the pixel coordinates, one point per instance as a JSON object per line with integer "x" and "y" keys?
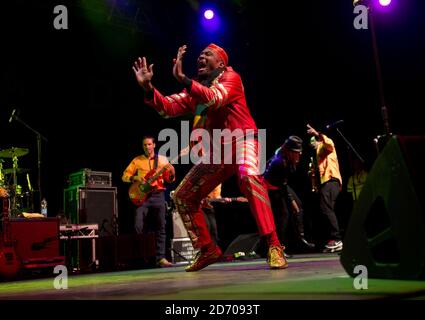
{"x": 284, "y": 200}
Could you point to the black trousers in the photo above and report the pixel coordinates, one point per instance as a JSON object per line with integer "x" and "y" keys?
{"x": 282, "y": 212}
{"x": 329, "y": 192}
{"x": 211, "y": 223}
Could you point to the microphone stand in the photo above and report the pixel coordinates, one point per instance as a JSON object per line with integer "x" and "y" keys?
{"x": 39, "y": 138}
{"x": 349, "y": 145}
{"x": 352, "y": 150}
{"x": 384, "y": 110}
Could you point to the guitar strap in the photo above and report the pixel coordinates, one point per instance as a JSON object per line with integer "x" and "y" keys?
{"x": 155, "y": 162}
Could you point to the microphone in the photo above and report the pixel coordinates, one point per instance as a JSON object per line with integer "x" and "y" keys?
{"x": 333, "y": 125}
{"x": 379, "y": 137}
{"x": 12, "y": 115}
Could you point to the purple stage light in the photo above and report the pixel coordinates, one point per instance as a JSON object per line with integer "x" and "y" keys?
{"x": 384, "y": 3}
{"x": 208, "y": 14}
{"x": 210, "y": 21}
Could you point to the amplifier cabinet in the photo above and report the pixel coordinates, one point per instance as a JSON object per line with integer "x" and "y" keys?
{"x": 89, "y": 178}
{"x": 37, "y": 241}
{"x": 84, "y": 205}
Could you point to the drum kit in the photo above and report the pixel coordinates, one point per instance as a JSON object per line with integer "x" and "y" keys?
{"x": 21, "y": 200}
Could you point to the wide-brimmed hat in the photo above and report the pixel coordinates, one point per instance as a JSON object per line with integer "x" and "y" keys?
{"x": 293, "y": 143}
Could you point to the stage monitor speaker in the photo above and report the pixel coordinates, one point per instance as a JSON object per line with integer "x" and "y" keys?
{"x": 386, "y": 231}
{"x": 93, "y": 206}
{"x": 245, "y": 243}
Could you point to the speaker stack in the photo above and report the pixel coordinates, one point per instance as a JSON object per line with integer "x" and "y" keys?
{"x": 386, "y": 231}
{"x": 90, "y": 199}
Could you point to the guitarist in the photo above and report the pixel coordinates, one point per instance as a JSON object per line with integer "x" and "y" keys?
{"x": 150, "y": 215}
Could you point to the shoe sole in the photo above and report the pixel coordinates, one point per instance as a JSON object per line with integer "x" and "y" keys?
{"x": 284, "y": 266}
{"x": 188, "y": 269}
{"x": 279, "y": 267}
{"x": 332, "y": 250}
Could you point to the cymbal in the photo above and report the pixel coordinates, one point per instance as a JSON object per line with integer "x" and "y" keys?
{"x": 18, "y": 170}
{"x": 12, "y": 152}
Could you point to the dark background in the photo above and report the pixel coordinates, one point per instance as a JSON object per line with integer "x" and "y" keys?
{"x": 301, "y": 62}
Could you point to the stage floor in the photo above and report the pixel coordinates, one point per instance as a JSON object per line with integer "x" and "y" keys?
{"x": 308, "y": 277}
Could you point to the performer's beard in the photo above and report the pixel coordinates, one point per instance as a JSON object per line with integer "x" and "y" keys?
{"x": 208, "y": 78}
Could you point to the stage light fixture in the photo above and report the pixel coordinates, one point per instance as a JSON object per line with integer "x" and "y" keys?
{"x": 367, "y": 3}
{"x": 384, "y": 3}
{"x": 208, "y": 14}
{"x": 210, "y": 20}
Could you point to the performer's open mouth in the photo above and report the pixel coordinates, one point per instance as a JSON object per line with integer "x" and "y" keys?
{"x": 202, "y": 67}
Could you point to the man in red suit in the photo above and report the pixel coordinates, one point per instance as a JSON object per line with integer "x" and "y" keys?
{"x": 217, "y": 100}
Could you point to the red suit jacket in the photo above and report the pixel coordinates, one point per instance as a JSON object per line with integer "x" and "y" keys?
{"x": 224, "y": 99}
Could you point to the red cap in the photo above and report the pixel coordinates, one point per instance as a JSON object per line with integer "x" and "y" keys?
{"x": 220, "y": 52}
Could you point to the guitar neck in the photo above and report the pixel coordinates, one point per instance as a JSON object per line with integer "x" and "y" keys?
{"x": 158, "y": 174}
{"x": 6, "y": 223}
{"x": 183, "y": 152}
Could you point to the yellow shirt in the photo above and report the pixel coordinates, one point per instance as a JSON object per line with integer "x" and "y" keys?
{"x": 141, "y": 165}
{"x": 327, "y": 160}
{"x": 359, "y": 180}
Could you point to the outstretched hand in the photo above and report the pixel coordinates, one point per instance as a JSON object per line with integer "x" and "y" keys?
{"x": 311, "y": 131}
{"x": 178, "y": 64}
{"x": 143, "y": 73}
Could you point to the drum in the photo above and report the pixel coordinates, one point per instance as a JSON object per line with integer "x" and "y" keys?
{"x": 18, "y": 190}
{"x": 24, "y": 202}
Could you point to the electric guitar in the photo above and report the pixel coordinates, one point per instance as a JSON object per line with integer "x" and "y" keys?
{"x": 10, "y": 264}
{"x": 140, "y": 190}
{"x": 36, "y": 246}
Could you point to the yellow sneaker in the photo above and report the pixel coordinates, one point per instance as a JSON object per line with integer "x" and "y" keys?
{"x": 204, "y": 259}
{"x": 276, "y": 258}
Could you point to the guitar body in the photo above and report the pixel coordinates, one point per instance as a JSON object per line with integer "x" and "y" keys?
{"x": 139, "y": 191}
{"x": 9, "y": 261}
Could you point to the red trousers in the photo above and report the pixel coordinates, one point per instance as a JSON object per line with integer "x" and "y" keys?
{"x": 203, "y": 178}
